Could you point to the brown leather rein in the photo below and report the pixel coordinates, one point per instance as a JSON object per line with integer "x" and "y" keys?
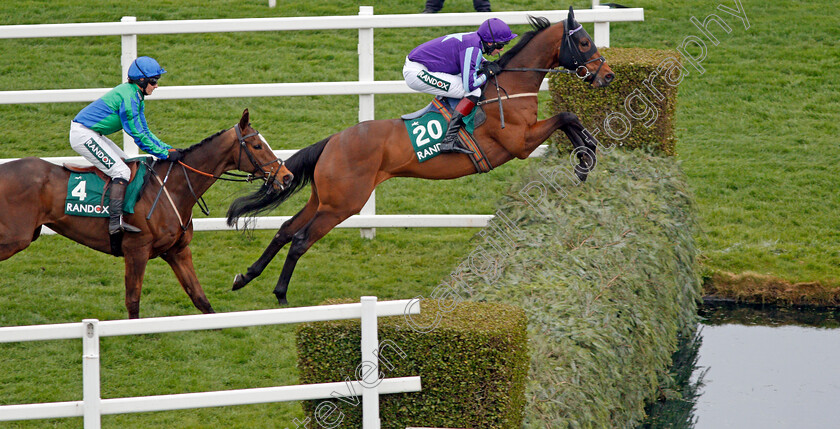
{"x": 266, "y": 176}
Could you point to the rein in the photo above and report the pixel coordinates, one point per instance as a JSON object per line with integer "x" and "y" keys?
{"x": 543, "y": 70}
{"x": 266, "y": 176}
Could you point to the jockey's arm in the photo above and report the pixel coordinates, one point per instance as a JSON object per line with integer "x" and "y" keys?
{"x": 470, "y": 61}
{"x": 134, "y": 123}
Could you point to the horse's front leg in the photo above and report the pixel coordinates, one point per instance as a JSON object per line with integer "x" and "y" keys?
{"x": 180, "y": 260}
{"x": 569, "y": 123}
{"x": 135, "y": 269}
{"x": 540, "y": 131}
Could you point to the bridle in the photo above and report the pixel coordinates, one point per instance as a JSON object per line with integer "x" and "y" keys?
{"x": 578, "y": 58}
{"x": 571, "y": 58}
{"x": 266, "y": 175}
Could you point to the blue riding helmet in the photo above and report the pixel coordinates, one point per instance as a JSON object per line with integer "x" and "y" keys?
{"x": 494, "y": 30}
{"x": 144, "y": 67}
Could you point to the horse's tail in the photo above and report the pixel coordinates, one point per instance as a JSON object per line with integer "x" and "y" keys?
{"x": 301, "y": 164}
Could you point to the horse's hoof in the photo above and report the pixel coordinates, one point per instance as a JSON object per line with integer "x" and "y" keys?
{"x": 239, "y": 282}
{"x": 282, "y": 301}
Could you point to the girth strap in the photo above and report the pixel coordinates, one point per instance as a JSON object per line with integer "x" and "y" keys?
{"x": 479, "y": 160}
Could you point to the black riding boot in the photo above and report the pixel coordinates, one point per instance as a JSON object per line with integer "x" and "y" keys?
{"x": 433, "y": 6}
{"x": 116, "y": 224}
{"x": 451, "y": 142}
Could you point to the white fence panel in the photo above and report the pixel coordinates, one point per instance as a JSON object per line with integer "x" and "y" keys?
{"x": 128, "y": 29}
{"x": 350, "y": 22}
{"x": 92, "y": 407}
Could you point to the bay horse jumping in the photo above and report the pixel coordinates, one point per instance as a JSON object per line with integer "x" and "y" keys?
{"x": 33, "y": 192}
{"x": 345, "y": 167}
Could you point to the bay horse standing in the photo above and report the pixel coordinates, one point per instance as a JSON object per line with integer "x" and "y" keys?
{"x": 346, "y": 167}
{"x": 33, "y": 192}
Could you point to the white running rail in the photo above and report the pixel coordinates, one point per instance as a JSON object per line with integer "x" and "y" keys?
{"x": 92, "y": 407}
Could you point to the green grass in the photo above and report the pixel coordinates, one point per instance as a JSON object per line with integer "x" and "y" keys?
{"x": 756, "y": 139}
{"x": 757, "y": 134}
{"x": 57, "y": 281}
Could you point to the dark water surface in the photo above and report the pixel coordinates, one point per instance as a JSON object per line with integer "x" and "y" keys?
{"x": 764, "y": 368}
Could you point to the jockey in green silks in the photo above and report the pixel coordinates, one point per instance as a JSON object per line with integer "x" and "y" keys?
{"x": 122, "y": 108}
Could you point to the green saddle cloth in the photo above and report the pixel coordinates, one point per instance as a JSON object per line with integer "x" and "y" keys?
{"x": 84, "y": 193}
{"x": 427, "y": 131}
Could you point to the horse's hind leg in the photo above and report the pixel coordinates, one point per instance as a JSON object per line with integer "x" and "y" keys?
{"x": 283, "y": 236}
{"x": 14, "y": 242}
{"x": 9, "y": 248}
{"x": 182, "y": 264}
{"x": 135, "y": 269}
{"x": 321, "y": 224}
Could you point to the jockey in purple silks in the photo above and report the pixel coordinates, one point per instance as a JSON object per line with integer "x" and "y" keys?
{"x": 453, "y": 66}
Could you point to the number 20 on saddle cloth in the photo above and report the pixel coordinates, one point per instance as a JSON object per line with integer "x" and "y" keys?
{"x": 86, "y": 185}
{"x": 427, "y": 127}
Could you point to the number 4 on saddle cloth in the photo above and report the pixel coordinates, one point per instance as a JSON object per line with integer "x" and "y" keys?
{"x": 427, "y": 127}
{"x": 85, "y": 187}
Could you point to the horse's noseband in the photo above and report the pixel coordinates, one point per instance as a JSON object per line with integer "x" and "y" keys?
{"x": 266, "y": 175}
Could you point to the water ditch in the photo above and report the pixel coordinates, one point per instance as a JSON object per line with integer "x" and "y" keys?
{"x": 755, "y": 367}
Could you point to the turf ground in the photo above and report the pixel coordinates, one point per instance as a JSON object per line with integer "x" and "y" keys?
{"x": 757, "y": 138}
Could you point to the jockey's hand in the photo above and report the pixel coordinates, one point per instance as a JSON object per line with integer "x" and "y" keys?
{"x": 175, "y": 155}
{"x": 490, "y": 68}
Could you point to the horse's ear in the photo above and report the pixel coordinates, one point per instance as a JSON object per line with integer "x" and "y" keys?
{"x": 245, "y": 120}
{"x": 570, "y": 19}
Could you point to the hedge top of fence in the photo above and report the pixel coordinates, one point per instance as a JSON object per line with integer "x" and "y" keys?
{"x": 637, "y": 56}
{"x": 447, "y": 316}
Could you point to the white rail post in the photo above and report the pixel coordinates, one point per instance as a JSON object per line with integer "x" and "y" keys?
{"x": 366, "y": 108}
{"x": 90, "y": 374}
{"x": 602, "y": 29}
{"x": 129, "y": 54}
{"x": 369, "y": 376}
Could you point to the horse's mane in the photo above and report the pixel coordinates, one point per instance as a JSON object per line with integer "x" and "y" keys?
{"x": 538, "y": 23}
{"x": 147, "y": 178}
{"x": 189, "y": 149}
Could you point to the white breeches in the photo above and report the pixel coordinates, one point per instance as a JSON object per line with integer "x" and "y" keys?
{"x": 419, "y": 78}
{"x": 99, "y": 151}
